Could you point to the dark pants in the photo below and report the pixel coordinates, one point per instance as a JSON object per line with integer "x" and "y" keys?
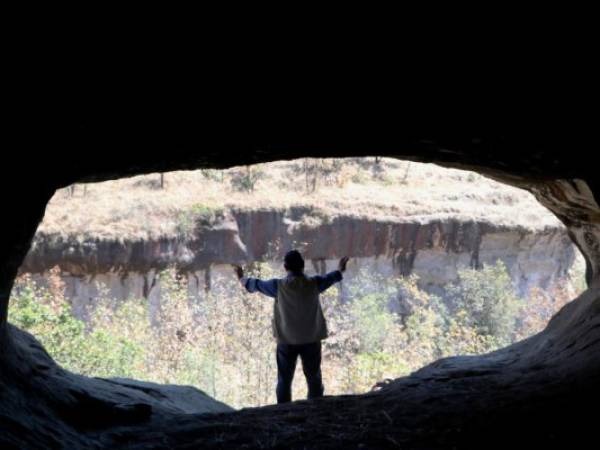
{"x": 287, "y": 355}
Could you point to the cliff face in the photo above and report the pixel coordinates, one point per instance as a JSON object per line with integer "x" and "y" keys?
{"x": 432, "y": 249}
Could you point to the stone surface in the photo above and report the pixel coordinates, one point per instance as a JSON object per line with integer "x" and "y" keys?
{"x": 432, "y": 249}
{"x": 44, "y": 405}
{"x": 536, "y": 393}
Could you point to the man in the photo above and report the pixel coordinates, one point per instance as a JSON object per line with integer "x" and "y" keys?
{"x": 298, "y": 321}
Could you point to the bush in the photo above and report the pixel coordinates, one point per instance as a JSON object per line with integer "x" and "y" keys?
{"x": 223, "y": 344}
{"x": 213, "y": 174}
{"x": 485, "y": 300}
{"x": 188, "y": 220}
{"x": 373, "y": 321}
{"x": 322, "y": 171}
{"x": 48, "y": 316}
{"x": 245, "y": 180}
{"x": 366, "y": 369}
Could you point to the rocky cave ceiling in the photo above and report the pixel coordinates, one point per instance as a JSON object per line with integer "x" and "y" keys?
{"x": 533, "y": 381}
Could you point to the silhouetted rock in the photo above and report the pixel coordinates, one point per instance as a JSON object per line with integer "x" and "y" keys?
{"x": 536, "y": 393}
{"x": 54, "y": 405}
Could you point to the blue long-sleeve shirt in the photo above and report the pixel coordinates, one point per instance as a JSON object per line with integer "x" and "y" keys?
{"x": 269, "y": 287}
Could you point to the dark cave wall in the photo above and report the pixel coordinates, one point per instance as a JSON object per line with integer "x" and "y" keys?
{"x": 22, "y": 214}
{"x": 574, "y": 203}
{"x": 528, "y": 387}
{"x": 559, "y": 176}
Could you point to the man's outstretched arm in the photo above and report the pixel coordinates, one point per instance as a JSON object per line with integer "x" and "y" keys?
{"x": 265, "y": 287}
{"x": 325, "y": 282}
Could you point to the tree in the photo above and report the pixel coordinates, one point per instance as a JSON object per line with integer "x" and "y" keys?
{"x": 405, "y": 177}
{"x": 245, "y": 180}
{"x": 71, "y": 190}
{"x": 320, "y": 170}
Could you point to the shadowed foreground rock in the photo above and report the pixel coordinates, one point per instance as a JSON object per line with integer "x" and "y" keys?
{"x": 539, "y": 392}
{"x": 47, "y": 406}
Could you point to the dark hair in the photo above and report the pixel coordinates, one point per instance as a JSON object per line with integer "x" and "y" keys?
{"x": 293, "y": 261}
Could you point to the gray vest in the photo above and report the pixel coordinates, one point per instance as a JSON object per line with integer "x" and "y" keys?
{"x": 297, "y": 314}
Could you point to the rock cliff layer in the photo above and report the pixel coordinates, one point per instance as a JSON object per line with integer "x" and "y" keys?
{"x": 432, "y": 249}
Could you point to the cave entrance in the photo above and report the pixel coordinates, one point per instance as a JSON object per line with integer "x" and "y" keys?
{"x": 132, "y": 277}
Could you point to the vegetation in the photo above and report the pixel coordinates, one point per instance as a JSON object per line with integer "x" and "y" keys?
{"x": 244, "y": 180}
{"x": 138, "y": 208}
{"x": 321, "y": 171}
{"x": 222, "y": 342}
{"x": 486, "y": 302}
{"x": 197, "y": 214}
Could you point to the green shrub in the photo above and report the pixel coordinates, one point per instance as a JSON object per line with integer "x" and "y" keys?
{"x": 198, "y": 214}
{"x": 49, "y": 318}
{"x": 373, "y": 321}
{"x": 366, "y": 369}
{"x": 213, "y": 174}
{"x": 223, "y": 344}
{"x": 244, "y": 180}
{"x": 485, "y": 299}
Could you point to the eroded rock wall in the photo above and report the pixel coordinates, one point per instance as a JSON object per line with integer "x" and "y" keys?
{"x": 434, "y": 250}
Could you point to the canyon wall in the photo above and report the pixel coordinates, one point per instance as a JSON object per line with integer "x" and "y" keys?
{"x": 434, "y": 248}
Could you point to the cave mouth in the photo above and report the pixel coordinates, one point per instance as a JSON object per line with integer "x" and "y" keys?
{"x": 176, "y": 233}
{"x": 537, "y": 391}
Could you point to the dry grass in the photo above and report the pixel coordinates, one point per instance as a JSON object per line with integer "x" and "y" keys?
{"x": 137, "y": 208}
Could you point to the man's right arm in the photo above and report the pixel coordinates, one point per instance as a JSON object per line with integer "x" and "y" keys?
{"x": 268, "y": 288}
{"x": 265, "y": 287}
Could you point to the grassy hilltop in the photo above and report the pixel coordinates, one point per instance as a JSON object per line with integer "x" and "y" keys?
{"x": 389, "y": 189}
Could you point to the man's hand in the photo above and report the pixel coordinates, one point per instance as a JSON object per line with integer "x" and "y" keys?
{"x": 342, "y": 264}
{"x": 238, "y": 271}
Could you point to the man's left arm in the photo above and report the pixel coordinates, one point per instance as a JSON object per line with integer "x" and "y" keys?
{"x": 325, "y": 282}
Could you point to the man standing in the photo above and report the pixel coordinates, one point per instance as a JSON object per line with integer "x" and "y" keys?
{"x": 298, "y": 321}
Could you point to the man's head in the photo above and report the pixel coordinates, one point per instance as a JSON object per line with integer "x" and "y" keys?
{"x": 293, "y": 262}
